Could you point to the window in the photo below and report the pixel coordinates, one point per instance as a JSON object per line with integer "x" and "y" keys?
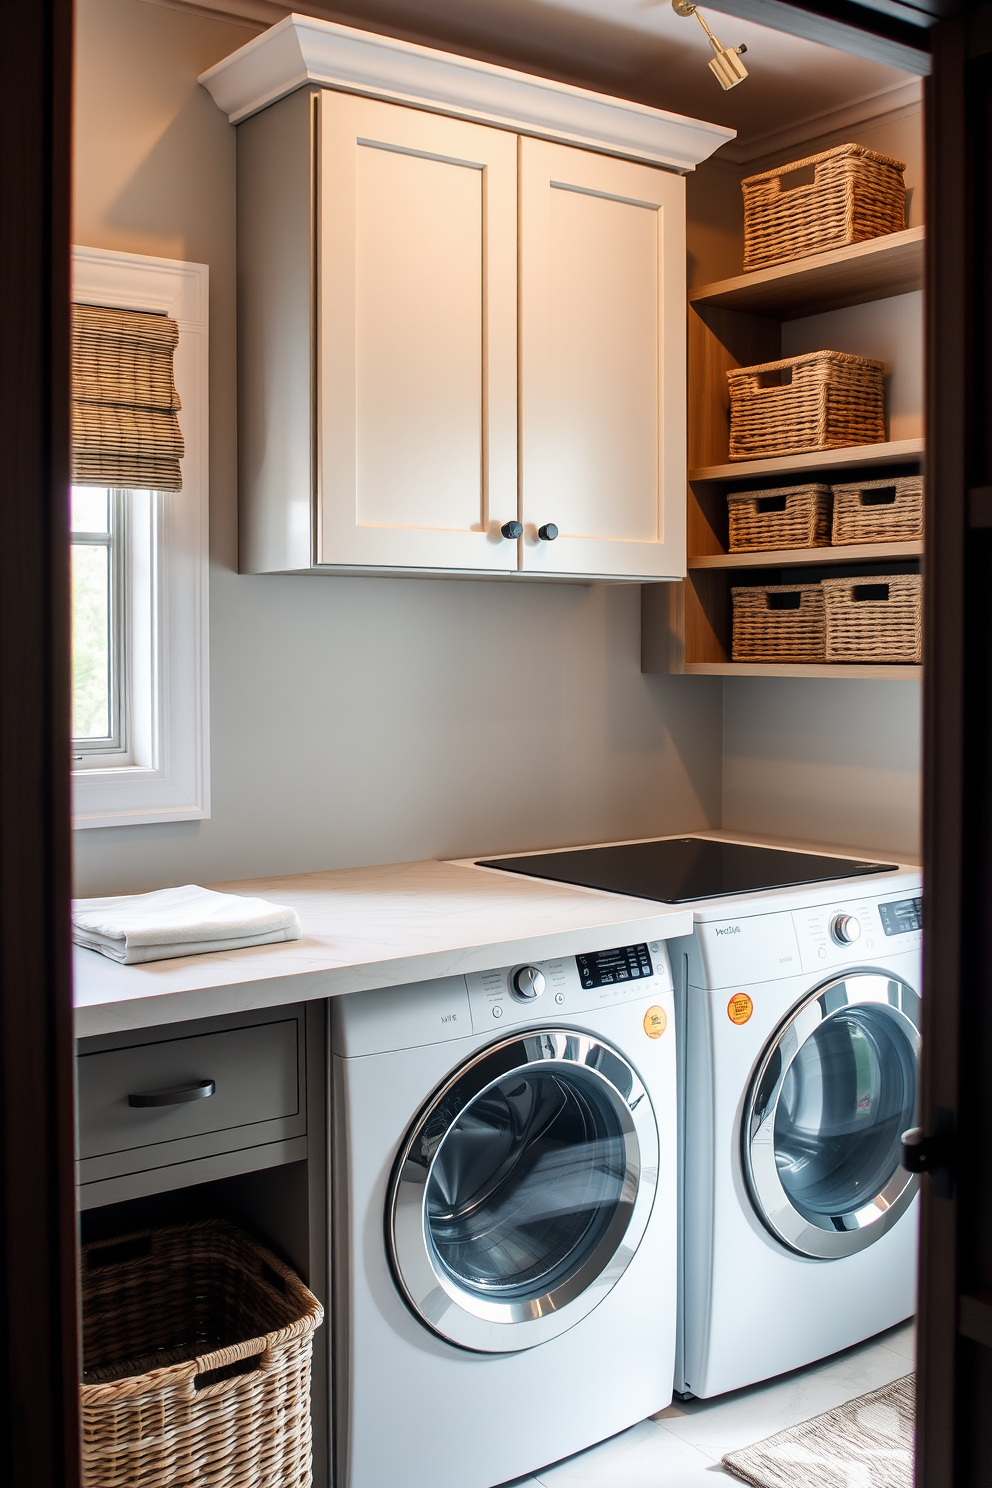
{"x": 139, "y": 586}
{"x": 100, "y": 694}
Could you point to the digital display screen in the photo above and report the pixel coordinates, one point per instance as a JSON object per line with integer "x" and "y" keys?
{"x": 604, "y": 968}
{"x": 901, "y": 917}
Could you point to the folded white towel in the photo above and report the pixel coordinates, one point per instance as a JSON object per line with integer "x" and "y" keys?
{"x": 178, "y": 922}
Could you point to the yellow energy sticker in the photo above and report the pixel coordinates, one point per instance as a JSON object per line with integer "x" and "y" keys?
{"x": 740, "y": 1008}
{"x": 655, "y": 1021}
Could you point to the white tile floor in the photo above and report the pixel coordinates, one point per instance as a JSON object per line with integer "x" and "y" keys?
{"x": 681, "y": 1447}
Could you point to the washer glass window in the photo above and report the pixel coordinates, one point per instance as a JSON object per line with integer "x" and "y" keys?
{"x": 526, "y": 1183}
{"x": 835, "y": 1089}
{"x": 848, "y": 1096}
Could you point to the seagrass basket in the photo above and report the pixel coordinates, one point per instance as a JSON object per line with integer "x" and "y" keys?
{"x": 874, "y": 619}
{"x": 778, "y": 622}
{"x": 197, "y": 1346}
{"x": 878, "y": 510}
{"x": 844, "y": 195}
{"x": 821, "y": 400}
{"x": 786, "y": 517}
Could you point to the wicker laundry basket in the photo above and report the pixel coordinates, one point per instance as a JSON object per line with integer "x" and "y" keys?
{"x": 786, "y": 517}
{"x": 850, "y": 194}
{"x": 821, "y": 400}
{"x": 197, "y": 1345}
{"x": 874, "y": 619}
{"x": 778, "y": 622}
{"x": 878, "y": 510}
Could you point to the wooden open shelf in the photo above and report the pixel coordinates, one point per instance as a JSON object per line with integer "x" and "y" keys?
{"x": 875, "y": 270}
{"x": 794, "y": 557}
{"x": 736, "y": 323}
{"x": 848, "y": 457}
{"x": 865, "y": 673}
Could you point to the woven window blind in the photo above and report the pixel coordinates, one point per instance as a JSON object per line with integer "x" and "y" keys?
{"x": 124, "y": 401}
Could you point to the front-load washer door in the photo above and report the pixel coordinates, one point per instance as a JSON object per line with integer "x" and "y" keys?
{"x": 523, "y": 1190}
{"x": 834, "y": 1090}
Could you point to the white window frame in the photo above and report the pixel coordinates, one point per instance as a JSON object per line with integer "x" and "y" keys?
{"x": 167, "y": 641}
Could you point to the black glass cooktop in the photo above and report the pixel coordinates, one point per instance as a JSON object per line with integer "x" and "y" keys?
{"x": 676, "y": 869}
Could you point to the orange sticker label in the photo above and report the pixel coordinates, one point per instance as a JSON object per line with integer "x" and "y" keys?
{"x": 655, "y": 1021}
{"x": 740, "y": 1008}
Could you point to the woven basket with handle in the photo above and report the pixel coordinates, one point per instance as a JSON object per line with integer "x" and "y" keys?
{"x": 786, "y": 517}
{"x": 197, "y": 1346}
{"x": 874, "y": 619}
{"x": 821, "y": 400}
{"x": 778, "y": 622}
{"x": 879, "y": 510}
{"x": 844, "y": 195}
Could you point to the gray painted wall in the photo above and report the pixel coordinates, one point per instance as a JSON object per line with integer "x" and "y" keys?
{"x": 361, "y": 720}
{"x": 831, "y": 761}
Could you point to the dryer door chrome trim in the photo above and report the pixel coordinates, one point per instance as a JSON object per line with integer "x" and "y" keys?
{"x": 803, "y": 1168}
{"x": 523, "y": 1190}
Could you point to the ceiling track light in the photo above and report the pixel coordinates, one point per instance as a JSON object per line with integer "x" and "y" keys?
{"x": 725, "y": 64}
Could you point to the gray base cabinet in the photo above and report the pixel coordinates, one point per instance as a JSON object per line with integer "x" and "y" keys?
{"x": 164, "y": 1108}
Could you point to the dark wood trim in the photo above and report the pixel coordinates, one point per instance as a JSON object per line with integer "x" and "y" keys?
{"x": 38, "y": 1353}
{"x": 948, "y": 334}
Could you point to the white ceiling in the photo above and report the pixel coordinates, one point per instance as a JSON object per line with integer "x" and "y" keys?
{"x": 642, "y": 50}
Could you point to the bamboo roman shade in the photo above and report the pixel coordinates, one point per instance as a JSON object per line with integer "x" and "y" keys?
{"x": 124, "y": 401}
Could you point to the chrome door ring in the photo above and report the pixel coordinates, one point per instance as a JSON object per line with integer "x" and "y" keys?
{"x": 487, "y": 1324}
{"x": 822, "y": 1237}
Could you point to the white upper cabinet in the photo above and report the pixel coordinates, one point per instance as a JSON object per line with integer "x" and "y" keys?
{"x": 602, "y": 366}
{"x": 449, "y": 328}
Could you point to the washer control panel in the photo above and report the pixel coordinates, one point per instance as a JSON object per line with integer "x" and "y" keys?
{"x": 569, "y": 985}
{"x": 830, "y": 934}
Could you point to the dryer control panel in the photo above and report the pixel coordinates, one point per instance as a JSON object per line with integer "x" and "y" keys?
{"x": 841, "y": 934}
{"x": 570, "y": 984}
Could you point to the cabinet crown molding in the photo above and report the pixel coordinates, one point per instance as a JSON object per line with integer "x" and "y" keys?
{"x": 301, "y": 50}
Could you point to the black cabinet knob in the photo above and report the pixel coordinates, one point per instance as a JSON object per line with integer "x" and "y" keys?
{"x": 511, "y": 529}
{"x": 548, "y": 532}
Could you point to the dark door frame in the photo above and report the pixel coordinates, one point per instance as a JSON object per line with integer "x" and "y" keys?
{"x": 39, "y": 1349}
{"x": 38, "y": 1370}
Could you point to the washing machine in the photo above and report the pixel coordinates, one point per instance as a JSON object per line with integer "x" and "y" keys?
{"x": 504, "y": 1235}
{"x": 799, "y": 1027}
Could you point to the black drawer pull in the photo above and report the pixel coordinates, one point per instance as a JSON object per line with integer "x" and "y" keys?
{"x": 177, "y": 1097}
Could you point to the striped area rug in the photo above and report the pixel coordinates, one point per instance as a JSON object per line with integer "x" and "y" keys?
{"x": 867, "y": 1443}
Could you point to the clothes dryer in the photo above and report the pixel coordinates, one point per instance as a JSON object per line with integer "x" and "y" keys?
{"x": 504, "y": 1217}
{"x": 799, "y": 1018}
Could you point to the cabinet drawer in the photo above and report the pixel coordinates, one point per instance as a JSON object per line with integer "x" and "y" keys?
{"x": 254, "y": 1070}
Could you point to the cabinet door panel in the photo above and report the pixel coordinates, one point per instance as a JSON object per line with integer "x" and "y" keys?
{"x": 417, "y": 338}
{"x": 602, "y": 363}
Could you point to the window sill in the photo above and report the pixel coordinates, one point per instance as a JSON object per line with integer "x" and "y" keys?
{"x": 131, "y": 795}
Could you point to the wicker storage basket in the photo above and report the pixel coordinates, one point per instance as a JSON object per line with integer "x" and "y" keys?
{"x": 196, "y": 1362}
{"x": 851, "y": 194}
{"x": 787, "y": 517}
{"x": 821, "y": 400}
{"x": 879, "y": 510}
{"x": 871, "y": 619}
{"x": 778, "y": 622}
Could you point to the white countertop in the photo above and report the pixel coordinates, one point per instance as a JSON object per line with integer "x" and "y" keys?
{"x": 366, "y": 928}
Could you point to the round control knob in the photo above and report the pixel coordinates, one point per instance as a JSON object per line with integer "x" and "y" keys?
{"x": 527, "y": 983}
{"x": 511, "y": 529}
{"x": 845, "y": 929}
{"x": 548, "y": 532}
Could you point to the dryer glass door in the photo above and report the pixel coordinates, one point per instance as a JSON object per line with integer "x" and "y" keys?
{"x": 524, "y": 1190}
{"x": 835, "y": 1090}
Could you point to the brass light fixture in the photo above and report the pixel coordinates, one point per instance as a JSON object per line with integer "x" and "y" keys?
{"x": 725, "y": 64}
